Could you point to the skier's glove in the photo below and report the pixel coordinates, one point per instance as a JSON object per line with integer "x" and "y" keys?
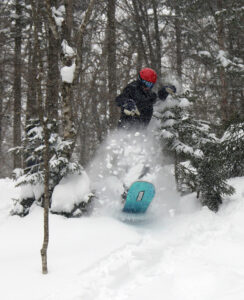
{"x": 165, "y": 91}
{"x": 130, "y": 108}
{"x": 171, "y": 89}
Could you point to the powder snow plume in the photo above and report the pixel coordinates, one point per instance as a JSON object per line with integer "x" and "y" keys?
{"x": 125, "y": 157}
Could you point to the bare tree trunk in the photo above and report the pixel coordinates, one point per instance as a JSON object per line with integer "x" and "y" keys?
{"x": 44, "y": 121}
{"x": 46, "y": 199}
{"x": 69, "y": 130}
{"x": 158, "y": 65}
{"x": 1, "y": 116}
{"x": 17, "y": 83}
{"x": 111, "y": 62}
{"x": 53, "y": 77}
{"x": 66, "y": 89}
{"x": 80, "y": 38}
{"x": 139, "y": 60}
{"x": 222, "y": 74}
{"x": 145, "y": 28}
{"x": 74, "y": 60}
{"x": 176, "y": 171}
{"x": 67, "y": 30}
{"x": 31, "y": 105}
{"x": 139, "y": 39}
{"x": 178, "y": 42}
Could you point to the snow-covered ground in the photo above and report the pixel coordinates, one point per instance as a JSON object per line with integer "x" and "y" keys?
{"x": 190, "y": 254}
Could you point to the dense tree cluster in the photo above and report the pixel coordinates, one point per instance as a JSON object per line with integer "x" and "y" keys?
{"x": 64, "y": 61}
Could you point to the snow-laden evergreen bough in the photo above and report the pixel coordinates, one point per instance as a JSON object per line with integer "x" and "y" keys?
{"x": 195, "y": 148}
{"x": 31, "y": 178}
{"x": 232, "y": 150}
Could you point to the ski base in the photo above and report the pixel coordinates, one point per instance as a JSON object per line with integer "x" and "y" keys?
{"x": 138, "y": 198}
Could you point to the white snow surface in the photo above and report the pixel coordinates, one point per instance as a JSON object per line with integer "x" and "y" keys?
{"x": 72, "y": 190}
{"x": 179, "y": 251}
{"x": 187, "y": 253}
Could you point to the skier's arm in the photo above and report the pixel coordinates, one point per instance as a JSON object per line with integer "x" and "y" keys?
{"x": 165, "y": 91}
{"x": 126, "y": 103}
{"x": 122, "y": 99}
{"x": 154, "y": 98}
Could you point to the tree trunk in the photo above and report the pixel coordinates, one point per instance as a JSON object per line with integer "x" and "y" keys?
{"x": 31, "y": 105}
{"x": 111, "y": 62}
{"x": 176, "y": 171}
{"x": 46, "y": 200}
{"x": 53, "y": 76}
{"x": 17, "y": 83}
{"x": 44, "y": 122}
{"x": 1, "y": 117}
{"x": 69, "y": 131}
{"x": 139, "y": 40}
{"x": 68, "y": 25}
{"x": 222, "y": 73}
{"x": 157, "y": 39}
{"x": 145, "y": 29}
{"x": 178, "y": 42}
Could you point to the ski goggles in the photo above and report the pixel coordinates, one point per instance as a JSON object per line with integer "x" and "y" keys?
{"x": 147, "y": 83}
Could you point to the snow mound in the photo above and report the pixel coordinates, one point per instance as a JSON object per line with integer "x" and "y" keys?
{"x": 70, "y": 193}
{"x": 8, "y": 194}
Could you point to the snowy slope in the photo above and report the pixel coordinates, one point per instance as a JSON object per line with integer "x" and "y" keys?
{"x": 190, "y": 254}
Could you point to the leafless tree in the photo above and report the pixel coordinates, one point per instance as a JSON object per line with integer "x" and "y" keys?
{"x": 17, "y": 83}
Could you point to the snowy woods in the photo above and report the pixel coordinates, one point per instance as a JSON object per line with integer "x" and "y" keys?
{"x": 63, "y": 63}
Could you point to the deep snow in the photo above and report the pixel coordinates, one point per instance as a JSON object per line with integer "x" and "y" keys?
{"x": 190, "y": 254}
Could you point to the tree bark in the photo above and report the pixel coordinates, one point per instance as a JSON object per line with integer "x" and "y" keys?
{"x": 68, "y": 25}
{"x": 111, "y": 62}
{"x": 140, "y": 43}
{"x": 31, "y": 105}
{"x": 1, "y": 117}
{"x": 145, "y": 29}
{"x": 158, "y": 65}
{"x": 46, "y": 199}
{"x": 178, "y": 42}
{"x": 17, "y": 83}
{"x": 53, "y": 76}
{"x": 80, "y": 39}
{"x": 222, "y": 73}
{"x": 44, "y": 123}
{"x": 69, "y": 131}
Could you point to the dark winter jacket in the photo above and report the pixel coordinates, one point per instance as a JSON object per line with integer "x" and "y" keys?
{"x": 144, "y": 100}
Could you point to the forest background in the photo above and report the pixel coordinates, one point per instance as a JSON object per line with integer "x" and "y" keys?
{"x": 64, "y": 62}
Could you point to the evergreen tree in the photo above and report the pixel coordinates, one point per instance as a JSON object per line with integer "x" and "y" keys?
{"x": 232, "y": 154}
{"x": 211, "y": 177}
{"x": 198, "y": 168}
{"x": 32, "y": 176}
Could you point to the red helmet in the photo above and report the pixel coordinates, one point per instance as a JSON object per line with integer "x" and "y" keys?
{"x": 148, "y": 74}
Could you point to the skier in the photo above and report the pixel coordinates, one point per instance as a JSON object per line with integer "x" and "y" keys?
{"x": 137, "y": 100}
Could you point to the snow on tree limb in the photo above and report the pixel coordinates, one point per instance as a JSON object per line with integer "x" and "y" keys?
{"x": 52, "y": 24}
